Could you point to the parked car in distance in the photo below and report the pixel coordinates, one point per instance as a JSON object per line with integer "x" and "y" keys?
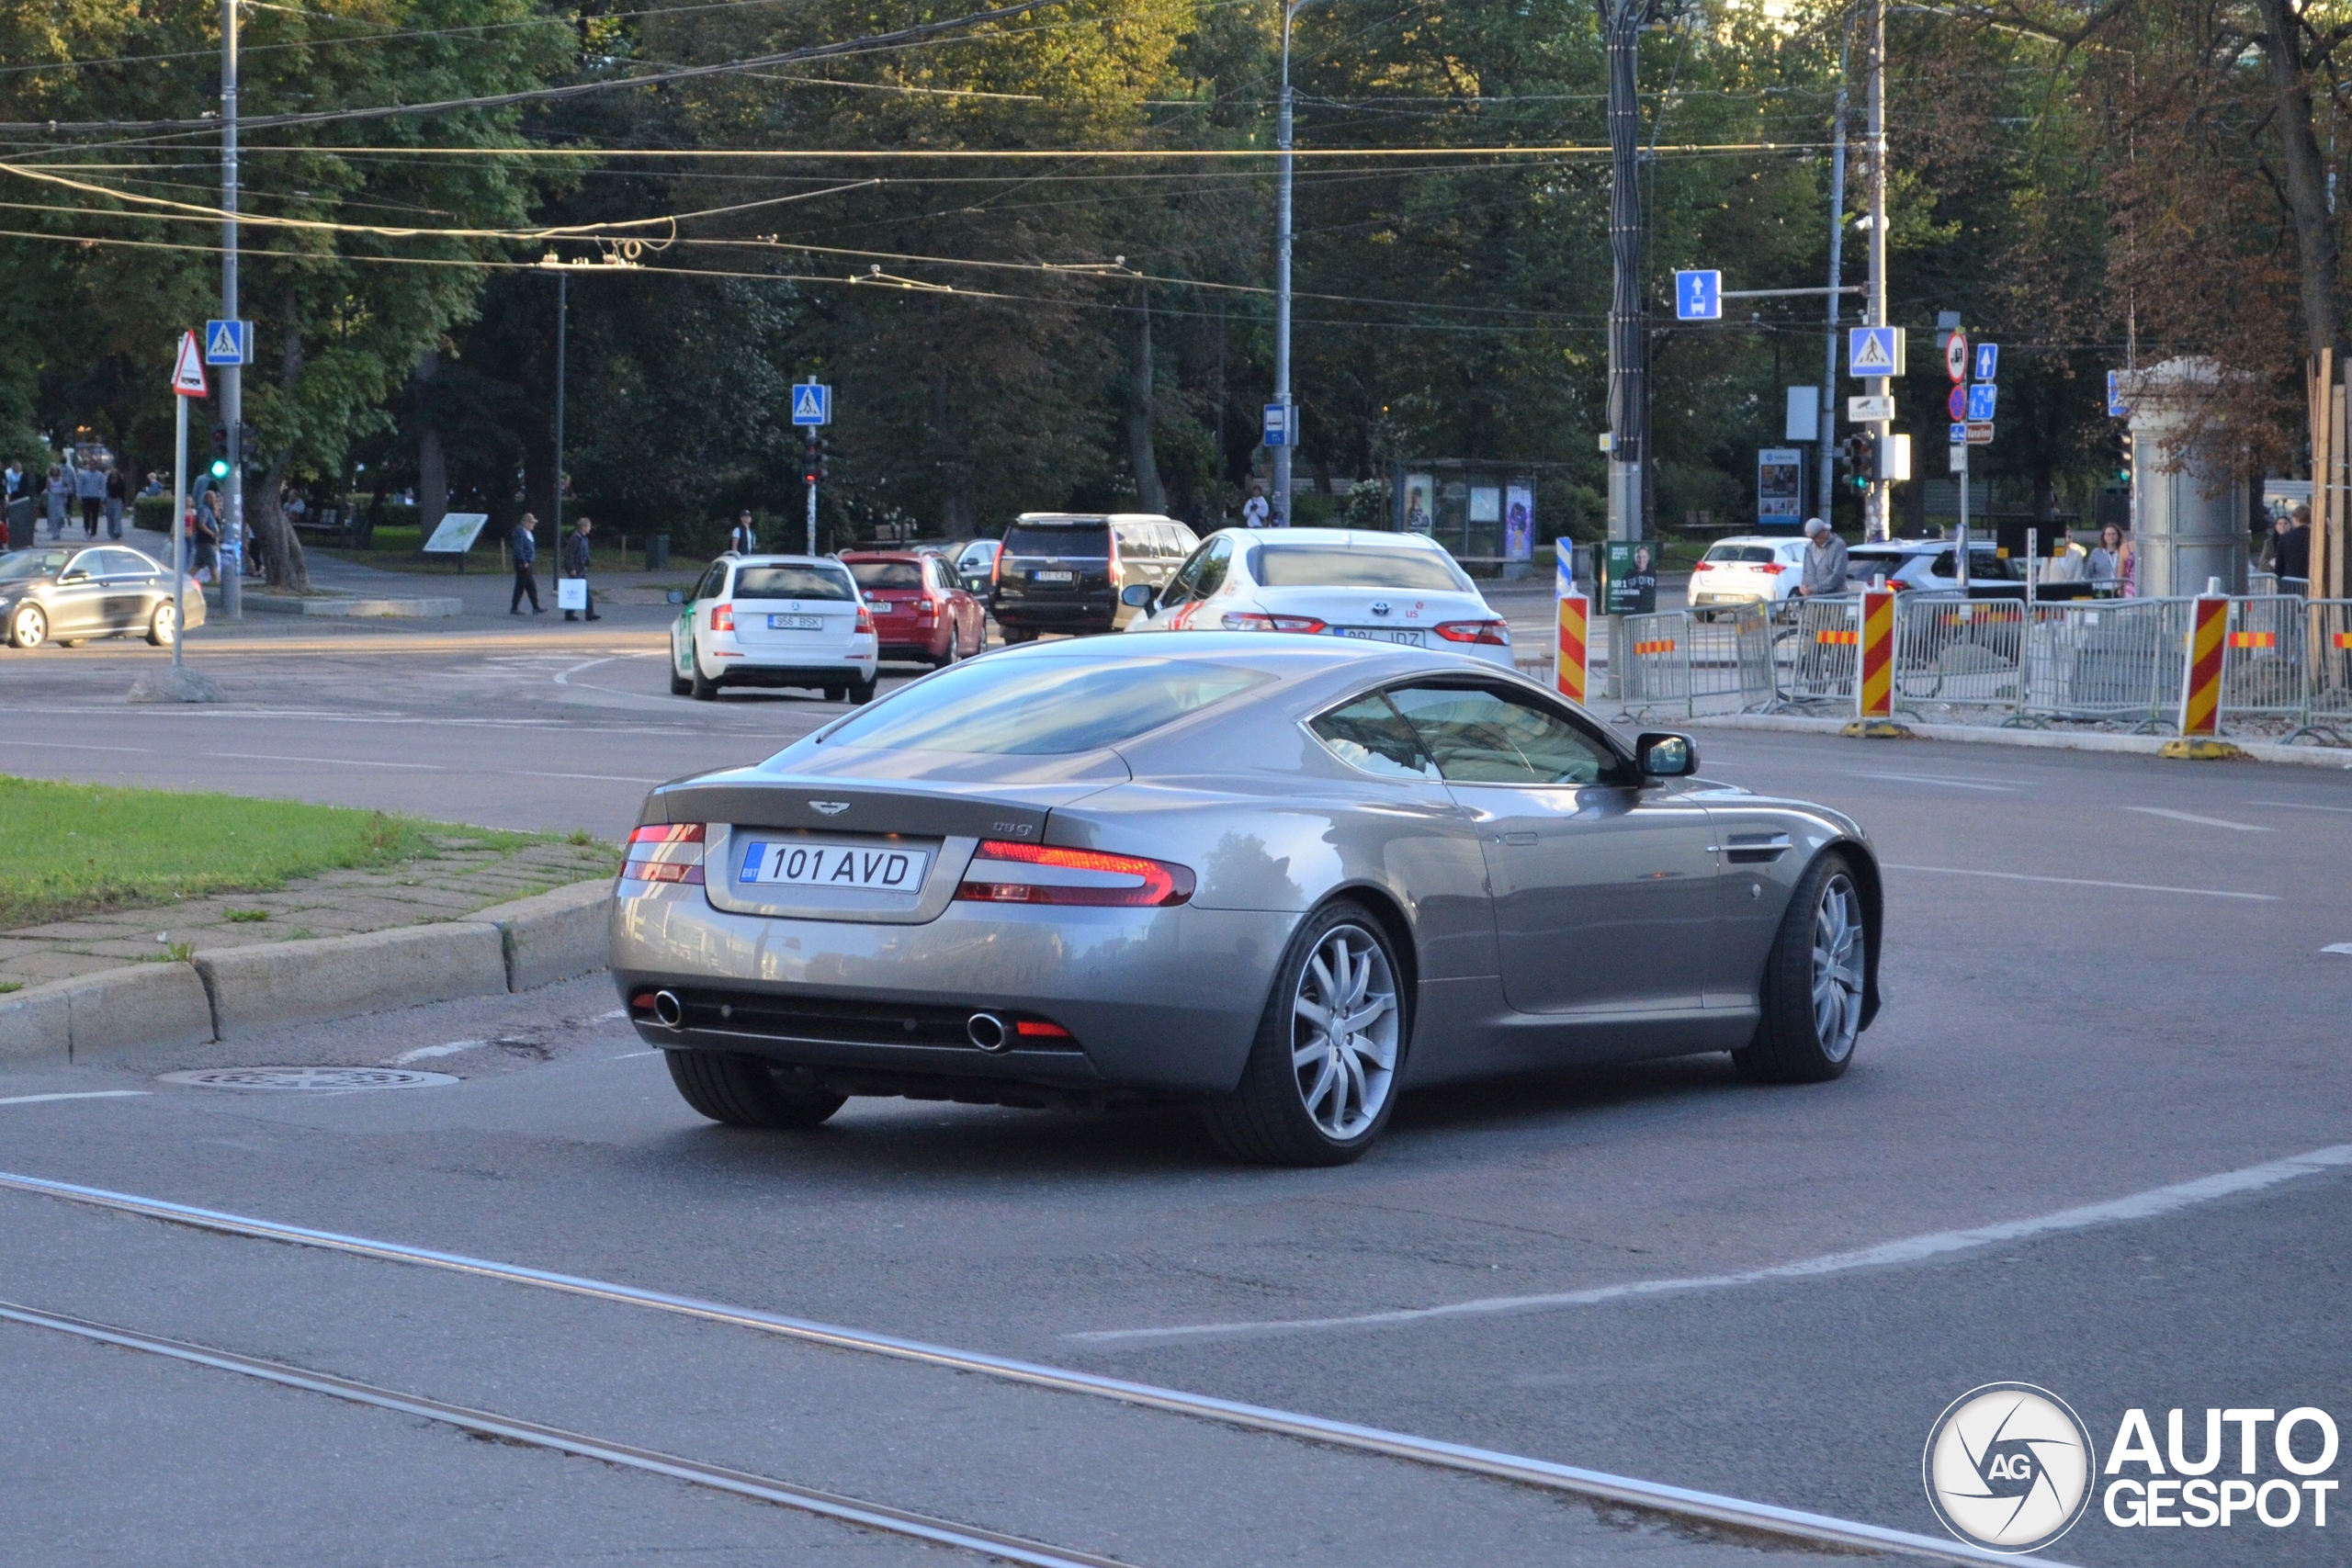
{"x": 774, "y": 621}
{"x": 1281, "y": 879}
{"x": 69, "y": 596}
{"x": 1932, "y": 566}
{"x": 1063, "y": 572}
{"x": 1400, "y": 589}
{"x": 920, "y": 611}
{"x": 974, "y": 561}
{"x": 1749, "y": 569}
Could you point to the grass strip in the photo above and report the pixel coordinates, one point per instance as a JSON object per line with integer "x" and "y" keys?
{"x": 70, "y": 849}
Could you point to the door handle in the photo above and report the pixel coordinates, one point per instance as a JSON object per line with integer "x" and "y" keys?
{"x": 1519, "y": 838}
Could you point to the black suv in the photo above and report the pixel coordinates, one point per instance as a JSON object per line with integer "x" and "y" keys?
{"x": 1061, "y": 571}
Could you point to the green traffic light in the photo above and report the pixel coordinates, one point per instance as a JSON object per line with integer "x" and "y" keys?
{"x": 219, "y": 468}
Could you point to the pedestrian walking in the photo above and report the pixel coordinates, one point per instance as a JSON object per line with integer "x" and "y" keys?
{"x": 12, "y": 482}
{"x": 59, "y": 488}
{"x": 90, "y": 490}
{"x": 1825, "y": 562}
{"x": 1255, "y": 511}
{"x": 2291, "y": 547}
{"x": 575, "y": 563}
{"x": 741, "y": 541}
{"x": 524, "y": 542}
{"x": 204, "y": 536}
{"x": 116, "y": 492}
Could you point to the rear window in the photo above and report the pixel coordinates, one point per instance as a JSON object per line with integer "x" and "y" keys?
{"x": 1092, "y": 540}
{"x": 1888, "y": 558}
{"x": 1340, "y": 565}
{"x": 793, "y": 583}
{"x": 1043, "y": 706}
{"x": 1755, "y": 553}
{"x": 887, "y": 573}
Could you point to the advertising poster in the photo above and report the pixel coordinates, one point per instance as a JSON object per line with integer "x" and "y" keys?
{"x": 1420, "y": 494}
{"x": 1518, "y": 523}
{"x": 1780, "y": 487}
{"x": 1631, "y": 588}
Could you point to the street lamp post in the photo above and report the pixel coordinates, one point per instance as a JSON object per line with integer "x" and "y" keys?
{"x": 232, "y": 400}
{"x": 1281, "y": 518}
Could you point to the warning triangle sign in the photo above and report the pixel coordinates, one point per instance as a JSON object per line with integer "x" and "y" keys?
{"x": 187, "y": 371}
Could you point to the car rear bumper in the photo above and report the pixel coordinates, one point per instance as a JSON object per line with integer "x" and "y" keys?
{"x": 1096, "y": 612}
{"x": 1162, "y": 1001}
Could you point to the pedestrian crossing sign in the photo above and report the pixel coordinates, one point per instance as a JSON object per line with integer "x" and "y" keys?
{"x": 812, "y": 404}
{"x": 1874, "y": 351}
{"x": 228, "y": 343}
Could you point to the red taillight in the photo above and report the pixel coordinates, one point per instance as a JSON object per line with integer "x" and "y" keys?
{"x": 927, "y": 610}
{"x": 1497, "y": 632}
{"x": 722, "y": 617}
{"x": 1773, "y": 568}
{"x": 1704, "y": 566}
{"x": 865, "y": 619}
{"x": 995, "y": 561}
{"x": 1257, "y": 621}
{"x": 1003, "y": 872}
{"x": 664, "y": 852}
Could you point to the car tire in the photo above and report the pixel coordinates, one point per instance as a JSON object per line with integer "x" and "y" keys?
{"x": 1814, "y": 982}
{"x": 29, "y": 627}
{"x": 955, "y": 649}
{"x": 703, "y": 687}
{"x": 744, "y": 1091}
{"x": 1281, "y": 1115}
{"x": 1014, "y": 636}
{"x": 862, "y": 691}
{"x": 679, "y": 684}
{"x": 163, "y": 627}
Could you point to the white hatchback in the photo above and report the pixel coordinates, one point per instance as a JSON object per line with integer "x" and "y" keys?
{"x": 774, "y": 621}
{"x": 1749, "y": 570}
{"x": 1393, "y": 588}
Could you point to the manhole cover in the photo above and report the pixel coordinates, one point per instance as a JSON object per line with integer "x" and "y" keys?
{"x": 310, "y": 1078}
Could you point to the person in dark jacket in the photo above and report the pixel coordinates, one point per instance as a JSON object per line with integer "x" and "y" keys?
{"x": 117, "y": 493}
{"x": 575, "y": 563}
{"x": 2290, "y": 546}
{"x": 526, "y": 544}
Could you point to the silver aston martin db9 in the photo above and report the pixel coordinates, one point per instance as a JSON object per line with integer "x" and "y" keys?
{"x": 1281, "y": 878}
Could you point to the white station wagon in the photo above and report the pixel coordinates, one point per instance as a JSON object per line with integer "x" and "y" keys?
{"x": 774, "y": 621}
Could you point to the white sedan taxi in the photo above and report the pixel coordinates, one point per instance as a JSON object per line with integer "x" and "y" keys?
{"x": 1379, "y": 587}
{"x": 774, "y": 621}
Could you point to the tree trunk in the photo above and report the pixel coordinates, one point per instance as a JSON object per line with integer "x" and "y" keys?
{"x": 286, "y": 565}
{"x": 432, "y": 465}
{"x": 2306, "y": 181}
{"x": 1150, "y": 494}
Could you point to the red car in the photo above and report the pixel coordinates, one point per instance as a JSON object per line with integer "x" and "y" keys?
{"x": 920, "y": 610}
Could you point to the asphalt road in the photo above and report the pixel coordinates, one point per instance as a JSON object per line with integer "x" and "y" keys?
{"x": 2105, "y": 977}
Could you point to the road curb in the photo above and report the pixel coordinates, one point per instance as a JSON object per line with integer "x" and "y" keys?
{"x": 555, "y": 936}
{"x": 328, "y": 977}
{"x": 2046, "y": 740}
{"x": 140, "y": 1004}
{"x": 372, "y": 608}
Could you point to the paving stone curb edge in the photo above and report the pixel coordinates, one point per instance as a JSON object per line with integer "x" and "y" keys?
{"x": 221, "y": 996}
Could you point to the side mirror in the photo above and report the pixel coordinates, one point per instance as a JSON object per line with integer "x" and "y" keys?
{"x": 74, "y": 577}
{"x": 1138, "y": 594}
{"x": 1664, "y": 755}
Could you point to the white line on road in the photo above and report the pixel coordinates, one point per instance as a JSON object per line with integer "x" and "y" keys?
{"x": 73, "y": 745}
{"x": 599, "y": 778}
{"x": 423, "y": 1052}
{"x": 632, "y": 1055}
{"x": 2084, "y": 881}
{"x": 1914, "y": 1249}
{"x": 85, "y": 1094}
{"x": 331, "y": 761}
{"x": 1939, "y": 779}
{"x": 2343, "y": 947}
{"x": 2200, "y": 821}
{"x": 563, "y": 677}
{"x": 2300, "y": 806}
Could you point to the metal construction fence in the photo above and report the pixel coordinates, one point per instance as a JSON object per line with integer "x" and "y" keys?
{"x": 2286, "y": 664}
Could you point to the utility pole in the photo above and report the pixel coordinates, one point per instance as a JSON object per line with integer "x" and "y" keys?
{"x": 1879, "y": 506}
{"x": 1827, "y": 489}
{"x": 232, "y": 377}
{"x": 562, "y": 318}
{"x": 1281, "y": 518}
{"x": 1628, "y": 333}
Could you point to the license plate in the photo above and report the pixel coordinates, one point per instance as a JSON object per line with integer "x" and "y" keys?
{"x": 875, "y": 867}
{"x": 1053, "y": 577}
{"x": 1383, "y": 634}
{"x": 796, "y": 623}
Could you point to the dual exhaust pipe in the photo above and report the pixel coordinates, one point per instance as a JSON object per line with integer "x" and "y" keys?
{"x": 985, "y": 1030}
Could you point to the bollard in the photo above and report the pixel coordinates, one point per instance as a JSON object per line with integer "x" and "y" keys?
{"x": 1570, "y": 671}
{"x": 1874, "y": 693}
{"x": 2200, "y": 692}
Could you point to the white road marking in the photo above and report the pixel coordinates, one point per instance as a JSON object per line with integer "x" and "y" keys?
{"x": 2343, "y": 947}
{"x": 2300, "y": 805}
{"x": 85, "y": 1094}
{"x": 1939, "y": 779}
{"x": 424, "y": 1052}
{"x": 563, "y": 677}
{"x": 633, "y": 1055}
{"x": 608, "y": 1017}
{"x": 601, "y": 778}
{"x": 2083, "y": 882}
{"x": 2200, "y": 821}
{"x": 330, "y": 762}
{"x": 72, "y": 746}
{"x": 1914, "y": 1249}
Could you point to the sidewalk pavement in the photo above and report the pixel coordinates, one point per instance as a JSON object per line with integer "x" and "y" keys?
{"x": 461, "y": 880}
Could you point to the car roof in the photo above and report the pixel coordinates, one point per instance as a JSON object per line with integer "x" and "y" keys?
{"x": 787, "y": 560}
{"x": 909, "y": 556}
{"x": 1346, "y": 538}
{"x": 1759, "y": 539}
{"x": 1051, "y": 519}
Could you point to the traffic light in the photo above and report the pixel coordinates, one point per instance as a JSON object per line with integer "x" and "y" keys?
{"x": 2123, "y": 459}
{"x": 811, "y": 461}
{"x": 824, "y": 457}
{"x": 220, "y": 469}
{"x": 1858, "y": 456}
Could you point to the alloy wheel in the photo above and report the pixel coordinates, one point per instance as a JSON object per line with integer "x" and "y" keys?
{"x": 1839, "y": 950}
{"x": 1344, "y": 1031}
{"x": 31, "y": 629}
{"x": 166, "y": 625}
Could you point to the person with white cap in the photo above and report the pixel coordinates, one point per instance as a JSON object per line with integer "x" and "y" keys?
{"x": 1825, "y": 562}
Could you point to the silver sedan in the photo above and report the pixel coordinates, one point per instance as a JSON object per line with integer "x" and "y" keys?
{"x": 58, "y": 594}
{"x": 1284, "y": 878}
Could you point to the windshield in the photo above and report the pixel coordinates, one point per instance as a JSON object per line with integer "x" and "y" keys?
{"x": 18, "y": 565}
{"x": 887, "y": 573}
{"x": 793, "y": 583}
{"x": 1344, "y": 565}
{"x": 1049, "y": 707}
{"x": 1092, "y": 540}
